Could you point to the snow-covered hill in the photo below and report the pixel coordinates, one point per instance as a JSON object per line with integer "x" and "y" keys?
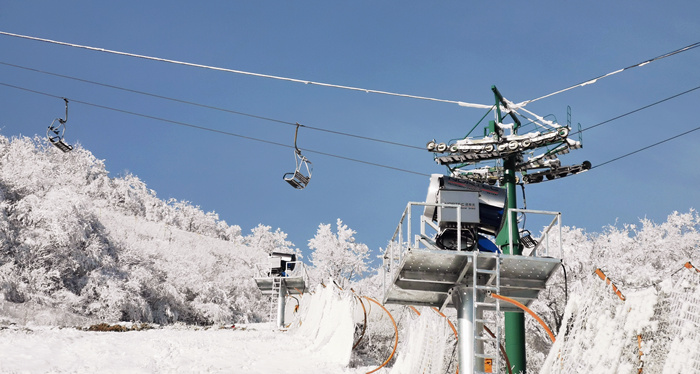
{"x": 73, "y": 238}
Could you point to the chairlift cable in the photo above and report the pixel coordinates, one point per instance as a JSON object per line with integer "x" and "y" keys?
{"x": 348, "y": 158}
{"x": 210, "y": 106}
{"x": 259, "y": 75}
{"x": 637, "y": 110}
{"x": 645, "y": 148}
{"x": 180, "y": 123}
{"x": 296, "y": 80}
{"x": 594, "y": 80}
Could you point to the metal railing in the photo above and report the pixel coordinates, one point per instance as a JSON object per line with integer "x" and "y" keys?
{"x": 402, "y": 240}
{"x": 543, "y": 244}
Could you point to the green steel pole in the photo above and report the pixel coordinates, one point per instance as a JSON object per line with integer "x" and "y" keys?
{"x": 514, "y": 321}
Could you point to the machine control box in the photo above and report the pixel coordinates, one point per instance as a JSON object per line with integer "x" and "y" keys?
{"x": 469, "y": 201}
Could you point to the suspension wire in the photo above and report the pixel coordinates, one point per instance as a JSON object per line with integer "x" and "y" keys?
{"x": 637, "y": 110}
{"x": 259, "y": 75}
{"x": 209, "y": 106}
{"x": 645, "y": 148}
{"x": 594, "y": 80}
{"x": 185, "y": 124}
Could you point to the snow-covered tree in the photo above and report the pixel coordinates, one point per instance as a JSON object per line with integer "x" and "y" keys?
{"x": 73, "y": 238}
{"x": 337, "y": 255}
{"x": 267, "y": 241}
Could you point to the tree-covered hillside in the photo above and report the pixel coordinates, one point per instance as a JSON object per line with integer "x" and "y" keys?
{"x": 73, "y": 237}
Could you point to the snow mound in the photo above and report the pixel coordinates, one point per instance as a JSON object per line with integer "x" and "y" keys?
{"x": 423, "y": 348}
{"x": 325, "y": 321}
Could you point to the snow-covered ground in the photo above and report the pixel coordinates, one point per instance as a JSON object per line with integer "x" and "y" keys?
{"x": 250, "y": 349}
{"x": 318, "y": 341}
{"x": 655, "y": 328}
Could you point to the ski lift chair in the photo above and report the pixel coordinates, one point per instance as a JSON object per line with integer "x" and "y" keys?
{"x": 301, "y": 176}
{"x": 56, "y": 131}
{"x": 298, "y": 179}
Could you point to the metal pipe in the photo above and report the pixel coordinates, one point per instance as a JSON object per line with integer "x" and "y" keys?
{"x": 281, "y": 303}
{"x": 459, "y": 228}
{"x": 463, "y": 300}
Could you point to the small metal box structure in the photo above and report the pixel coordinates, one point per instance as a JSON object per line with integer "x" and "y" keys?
{"x": 281, "y": 275}
{"x": 469, "y": 201}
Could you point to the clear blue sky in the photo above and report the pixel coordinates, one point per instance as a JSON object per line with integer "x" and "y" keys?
{"x": 450, "y": 50}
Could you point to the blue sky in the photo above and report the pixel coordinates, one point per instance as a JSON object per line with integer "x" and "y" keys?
{"x": 449, "y": 50}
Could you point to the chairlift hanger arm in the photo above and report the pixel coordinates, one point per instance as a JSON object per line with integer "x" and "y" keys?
{"x": 65, "y": 120}
{"x": 296, "y": 133}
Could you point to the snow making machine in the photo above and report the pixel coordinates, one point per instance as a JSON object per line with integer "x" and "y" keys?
{"x": 280, "y": 276}
{"x": 481, "y": 212}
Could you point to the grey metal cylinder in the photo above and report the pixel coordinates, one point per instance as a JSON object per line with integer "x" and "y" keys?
{"x": 467, "y": 330}
{"x": 281, "y": 304}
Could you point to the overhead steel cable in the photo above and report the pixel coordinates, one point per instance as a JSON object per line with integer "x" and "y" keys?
{"x": 185, "y": 124}
{"x": 645, "y": 148}
{"x": 259, "y": 75}
{"x": 638, "y": 109}
{"x": 594, "y": 80}
{"x": 209, "y": 106}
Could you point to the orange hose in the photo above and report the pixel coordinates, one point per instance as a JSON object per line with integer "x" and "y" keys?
{"x": 608, "y": 281}
{"x": 414, "y": 309}
{"x": 396, "y": 334}
{"x": 691, "y": 267}
{"x": 523, "y": 307}
{"x": 296, "y": 308}
{"x": 640, "y": 370}
{"x": 364, "y": 327}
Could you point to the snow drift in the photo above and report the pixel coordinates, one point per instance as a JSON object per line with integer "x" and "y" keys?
{"x": 325, "y": 321}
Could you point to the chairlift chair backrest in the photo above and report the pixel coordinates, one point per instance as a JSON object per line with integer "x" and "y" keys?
{"x": 302, "y": 174}
{"x": 56, "y": 131}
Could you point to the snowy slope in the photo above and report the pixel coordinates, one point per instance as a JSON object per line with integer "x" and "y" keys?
{"x": 257, "y": 349}
{"x": 319, "y": 341}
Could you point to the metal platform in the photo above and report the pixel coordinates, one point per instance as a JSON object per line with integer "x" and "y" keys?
{"x": 426, "y": 276}
{"x": 295, "y": 285}
{"x": 418, "y": 272}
